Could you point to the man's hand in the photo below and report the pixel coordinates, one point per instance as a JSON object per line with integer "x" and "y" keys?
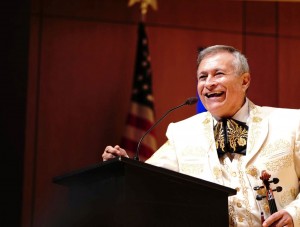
{"x": 279, "y": 219}
{"x": 112, "y": 152}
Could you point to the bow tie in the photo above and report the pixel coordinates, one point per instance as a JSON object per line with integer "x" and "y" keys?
{"x": 231, "y": 136}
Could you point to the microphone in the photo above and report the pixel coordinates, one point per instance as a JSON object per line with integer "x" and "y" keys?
{"x": 189, "y": 101}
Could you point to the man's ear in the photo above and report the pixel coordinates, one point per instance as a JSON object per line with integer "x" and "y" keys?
{"x": 246, "y": 81}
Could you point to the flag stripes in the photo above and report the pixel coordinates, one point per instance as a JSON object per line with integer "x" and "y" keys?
{"x": 141, "y": 115}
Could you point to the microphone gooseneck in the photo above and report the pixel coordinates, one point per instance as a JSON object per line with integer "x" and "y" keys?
{"x": 189, "y": 101}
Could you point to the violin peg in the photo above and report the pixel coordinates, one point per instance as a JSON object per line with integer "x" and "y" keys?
{"x": 275, "y": 180}
{"x": 278, "y": 189}
{"x": 256, "y": 188}
{"x": 260, "y": 197}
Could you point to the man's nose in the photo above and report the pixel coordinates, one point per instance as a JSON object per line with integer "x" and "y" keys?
{"x": 210, "y": 81}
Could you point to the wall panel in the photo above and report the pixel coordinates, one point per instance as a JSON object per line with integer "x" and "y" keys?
{"x": 194, "y": 14}
{"x": 104, "y": 10}
{"x": 261, "y": 17}
{"x": 289, "y": 81}
{"x": 289, "y": 17}
{"x": 31, "y": 118}
{"x": 81, "y": 103}
{"x": 262, "y": 56}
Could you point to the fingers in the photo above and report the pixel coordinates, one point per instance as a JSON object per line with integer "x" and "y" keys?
{"x": 112, "y": 152}
{"x": 108, "y": 153}
{"x": 121, "y": 151}
{"x": 279, "y": 219}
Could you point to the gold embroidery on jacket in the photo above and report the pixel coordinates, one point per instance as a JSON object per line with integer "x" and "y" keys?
{"x": 208, "y": 129}
{"x": 279, "y": 163}
{"x": 287, "y": 196}
{"x": 253, "y": 171}
{"x": 276, "y": 147}
{"x": 298, "y": 215}
{"x": 245, "y": 193}
{"x": 232, "y": 214}
{"x": 254, "y": 130}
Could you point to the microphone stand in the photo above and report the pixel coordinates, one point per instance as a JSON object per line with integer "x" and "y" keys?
{"x": 189, "y": 101}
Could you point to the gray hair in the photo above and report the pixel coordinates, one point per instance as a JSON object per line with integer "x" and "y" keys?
{"x": 240, "y": 63}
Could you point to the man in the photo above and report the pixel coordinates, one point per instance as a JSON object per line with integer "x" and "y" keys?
{"x": 235, "y": 141}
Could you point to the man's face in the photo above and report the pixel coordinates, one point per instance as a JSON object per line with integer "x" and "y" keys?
{"x": 221, "y": 90}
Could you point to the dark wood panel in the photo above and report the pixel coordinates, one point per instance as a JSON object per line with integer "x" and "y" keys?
{"x": 262, "y": 56}
{"x": 289, "y": 81}
{"x": 261, "y": 17}
{"x": 288, "y": 20}
{"x": 210, "y": 15}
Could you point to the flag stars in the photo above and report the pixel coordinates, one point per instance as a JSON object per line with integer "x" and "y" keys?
{"x": 142, "y": 86}
{"x": 150, "y": 98}
{"x": 144, "y": 63}
{"x": 145, "y": 87}
{"x": 145, "y": 54}
{"x": 135, "y": 91}
{"x": 145, "y": 42}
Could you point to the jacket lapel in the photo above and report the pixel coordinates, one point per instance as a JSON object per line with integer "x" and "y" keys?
{"x": 258, "y": 130}
{"x": 210, "y": 147}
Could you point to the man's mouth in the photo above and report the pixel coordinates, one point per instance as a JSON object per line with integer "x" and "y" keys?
{"x": 214, "y": 94}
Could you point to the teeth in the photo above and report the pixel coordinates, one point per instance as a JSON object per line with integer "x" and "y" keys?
{"x": 213, "y": 94}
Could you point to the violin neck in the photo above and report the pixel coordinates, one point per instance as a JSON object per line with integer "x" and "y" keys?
{"x": 272, "y": 203}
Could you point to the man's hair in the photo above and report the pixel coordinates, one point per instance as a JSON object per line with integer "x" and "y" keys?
{"x": 240, "y": 63}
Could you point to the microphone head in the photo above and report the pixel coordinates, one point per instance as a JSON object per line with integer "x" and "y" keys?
{"x": 191, "y": 101}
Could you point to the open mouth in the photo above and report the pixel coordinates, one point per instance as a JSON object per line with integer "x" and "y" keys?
{"x": 214, "y": 94}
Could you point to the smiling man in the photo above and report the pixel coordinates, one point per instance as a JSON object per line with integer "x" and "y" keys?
{"x": 222, "y": 81}
{"x": 234, "y": 141}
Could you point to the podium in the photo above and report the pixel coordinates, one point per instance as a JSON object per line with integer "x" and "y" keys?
{"x": 129, "y": 193}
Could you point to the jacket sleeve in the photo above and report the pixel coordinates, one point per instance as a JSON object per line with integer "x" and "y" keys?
{"x": 165, "y": 156}
{"x": 294, "y": 207}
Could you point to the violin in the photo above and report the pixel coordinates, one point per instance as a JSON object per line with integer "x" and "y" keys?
{"x": 266, "y": 192}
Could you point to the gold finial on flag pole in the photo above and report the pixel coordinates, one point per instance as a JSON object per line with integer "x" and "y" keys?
{"x": 144, "y": 6}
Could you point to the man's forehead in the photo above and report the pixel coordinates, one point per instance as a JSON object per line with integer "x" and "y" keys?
{"x": 218, "y": 55}
{"x": 216, "y": 61}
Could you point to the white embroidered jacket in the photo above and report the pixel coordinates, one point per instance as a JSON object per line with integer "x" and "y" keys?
{"x": 273, "y": 145}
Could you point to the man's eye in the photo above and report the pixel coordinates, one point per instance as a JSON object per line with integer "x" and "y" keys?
{"x": 202, "y": 77}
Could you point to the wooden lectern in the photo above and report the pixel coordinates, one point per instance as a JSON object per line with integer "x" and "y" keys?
{"x": 129, "y": 193}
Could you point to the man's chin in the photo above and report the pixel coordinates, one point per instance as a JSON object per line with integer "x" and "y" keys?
{"x": 216, "y": 110}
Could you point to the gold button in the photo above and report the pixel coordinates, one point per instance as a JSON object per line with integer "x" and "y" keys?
{"x": 257, "y": 119}
{"x": 240, "y": 219}
{"x": 233, "y": 174}
{"x": 217, "y": 172}
{"x": 239, "y": 205}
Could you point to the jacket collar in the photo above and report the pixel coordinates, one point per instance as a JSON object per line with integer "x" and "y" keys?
{"x": 257, "y": 132}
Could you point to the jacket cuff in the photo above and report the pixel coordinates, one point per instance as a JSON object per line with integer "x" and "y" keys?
{"x": 295, "y": 213}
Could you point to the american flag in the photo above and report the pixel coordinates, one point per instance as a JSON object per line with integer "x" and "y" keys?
{"x": 141, "y": 114}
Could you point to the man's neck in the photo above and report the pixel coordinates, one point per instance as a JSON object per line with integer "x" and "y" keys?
{"x": 241, "y": 115}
